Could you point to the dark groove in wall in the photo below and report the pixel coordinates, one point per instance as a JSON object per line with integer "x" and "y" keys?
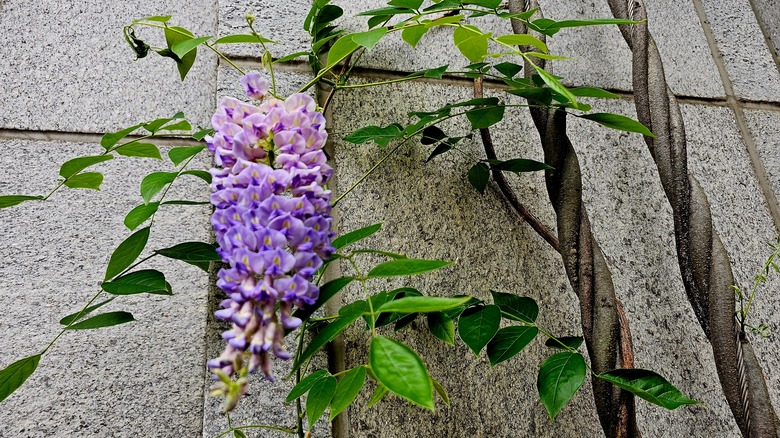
{"x": 84, "y": 137}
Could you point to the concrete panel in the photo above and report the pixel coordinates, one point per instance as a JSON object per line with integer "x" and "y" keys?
{"x": 763, "y": 126}
{"x": 769, "y": 16}
{"x": 279, "y": 21}
{"x": 66, "y": 66}
{"x": 139, "y": 379}
{"x": 742, "y": 45}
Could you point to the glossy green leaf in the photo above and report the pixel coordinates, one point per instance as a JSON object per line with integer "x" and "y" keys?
{"x": 410, "y": 4}
{"x": 485, "y": 117}
{"x": 477, "y": 325}
{"x": 422, "y": 304}
{"x": 156, "y": 124}
{"x": 11, "y": 200}
{"x": 432, "y": 135}
{"x": 14, "y": 375}
{"x": 138, "y": 282}
{"x": 515, "y": 307}
{"x": 522, "y": 40}
{"x": 242, "y": 38}
{"x": 442, "y": 148}
{"x": 126, "y": 253}
{"x": 160, "y": 18}
{"x": 184, "y": 47}
{"x": 593, "y": 92}
{"x": 81, "y": 314}
{"x": 181, "y": 125}
{"x": 144, "y": 150}
{"x": 184, "y": 202}
{"x": 379, "y": 135}
{"x": 103, "y": 320}
{"x": 173, "y": 36}
{"x": 555, "y": 85}
{"x": 327, "y": 291}
{"x": 202, "y": 174}
{"x": 478, "y": 176}
{"x": 471, "y": 42}
{"x": 199, "y": 254}
{"x": 110, "y": 139}
{"x": 305, "y": 385}
{"x": 86, "y": 180}
{"x": 178, "y": 155}
{"x": 518, "y": 165}
{"x": 379, "y": 393}
{"x": 355, "y": 236}
{"x": 403, "y": 267}
{"x": 341, "y": 49}
{"x": 238, "y": 433}
{"x": 389, "y": 12}
{"x": 319, "y": 398}
{"x": 490, "y": 4}
{"x": 441, "y": 391}
{"x": 551, "y": 27}
{"x": 616, "y": 121}
{"x": 76, "y": 165}
{"x": 153, "y": 183}
{"x": 560, "y": 376}
{"x": 649, "y": 386}
{"x": 328, "y": 333}
{"x": 572, "y": 342}
{"x": 412, "y": 35}
{"x": 369, "y": 38}
{"x": 508, "y": 69}
{"x": 290, "y": 57}
{"x": 200, "y": 135}
{"x": 509, "y": 341}
{"x": 140, "y": 214}
{"x": 436, "y": 73}
{"x": 441, "y": 326}
{"x": 401, "y": 370}
{"x": 347, "y": 390}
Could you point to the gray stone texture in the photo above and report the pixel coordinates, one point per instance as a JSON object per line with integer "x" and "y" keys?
{"x": 763, "y": 126}
{"x": 769, "y": 16}
{"x": 65, "y": 66}
{"x": 743, "y": 48}
{"x": 279, "y": 21}
{"x": 139, "y": 379}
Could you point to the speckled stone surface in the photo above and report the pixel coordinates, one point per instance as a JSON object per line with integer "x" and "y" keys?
{"x": 143, "y": 378}
{"x": 769, "y": 15}
{"x": 279, "y": 21}
{"x": 743, "y": 48}
{"x": 65, "y": 66}
{"x": 763, "y": 126}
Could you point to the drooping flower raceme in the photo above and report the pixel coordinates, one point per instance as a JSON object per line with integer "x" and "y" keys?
{"x": 272, "y": 220}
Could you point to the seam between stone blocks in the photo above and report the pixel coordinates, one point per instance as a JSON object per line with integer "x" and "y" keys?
{"x": 739, "y": 116}
{"x": 773, "y": 49}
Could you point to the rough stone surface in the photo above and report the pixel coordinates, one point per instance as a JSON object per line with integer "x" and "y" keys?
{"x": 139, "y": 379}
{"x": 743, "y": 48}
{"x": 769, "y": 15}
{"x": 278, "y": 21}
{"x": 763, "y": 126}
{"x": 66, "y": 67}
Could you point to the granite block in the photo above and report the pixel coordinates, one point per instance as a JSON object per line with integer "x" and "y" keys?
{"x": 763, "y": 127}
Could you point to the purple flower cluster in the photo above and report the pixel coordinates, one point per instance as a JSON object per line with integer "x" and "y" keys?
{"x": 272, "y": 219}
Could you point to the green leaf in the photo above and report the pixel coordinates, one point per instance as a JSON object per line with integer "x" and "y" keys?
{"x": 649, "y": 386}
{"x": 200, "y": 135}
{"x": 412, "y": 35}
{"x": 327, "y": 291}
{"x": 410, "y": 4}
{"x": 341, "y": 49}
{"x": 616, "y": 121}
{"x": 508, "y": 69}
{"x": 202, "y": 174}
{"x": 76, "y": 165}
{"x": 139, "y": 282}
{"x": 81, "y": 314}
{"x": 593, "y": 92}
{"x": 379, "y": 393}
{"x": 347, "y": 390}
{"x": 14, "y": 375}
{"x": 140, "y": 214}
{"x": 440, "y": 149}
{"x": 199, "y": 254}
{"x": 508, "y": 342}
{"x": 572, "y": 342}
{"x": 184, "y": 47}
{"x": 178, "y": 155}
{"x": 110, "y": 139}
{"x": 103, "y": 320}
{"x": 238, "y": 433}
{"x": 379, "y": 135}
{"x": 441, "y": 391}
{"x": 490, "y": 4}
{"x": 442, "y": 326}
{"x": 385, "y": 12}
{"x": 514, "y": 307}
{"x": 555, "y": 85}
{"x": 86, "y": 180}
{"x": 173, "y": 36}
{"x": 403, "y": 267}
{"x": 519, "y": 165}
{"x": 522, "y": 40}
{"x": 401, "y": 370}
{"x": 242, "y": 38}
{"x": 422, "y": 304}
{"x": 437, "y": 72}
{"x": 551, "y": 27}
{"x": 160, "y": 18}
{"x": 126, "y": 253}
{"x": 290, "y": 57}
{"x": 471, "y": 42}
{"x": 477, "y": 325}
{"x": 560, "y": 376}
{"x": 355, "y": 236}
{"x": 319, "y": 398}
{"x": 485, "y": 117}
{"x": 369, "y": 38}
{"x": 478, "y": 176}
{"x": 329, "y": 333}
{"x": 154, "y": 182}
{"x": 144, "y": 150}
{"x": 11, "y": 200}
{"x": 185, "y": 202}
{"x": 432, "y": 134}
{"x": 182, "y": 125}
{"x": 329, "y": 13}
{"x": 305, "y": 385}
{"x": 155, "y": 124}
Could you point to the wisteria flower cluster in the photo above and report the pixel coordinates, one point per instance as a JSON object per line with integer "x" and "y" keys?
{"x": 272, "y": 222}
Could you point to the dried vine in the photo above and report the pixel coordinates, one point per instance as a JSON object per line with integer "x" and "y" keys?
{"x": 704, "y": 262}
{"x": 606, "y": 333}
